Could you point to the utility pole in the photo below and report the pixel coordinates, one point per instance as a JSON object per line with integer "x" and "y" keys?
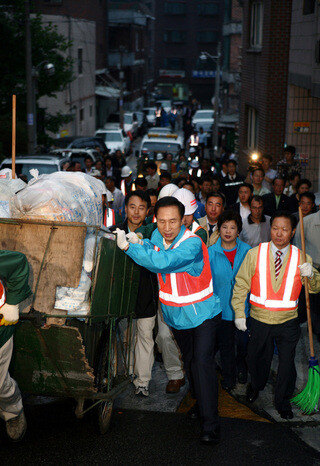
{"x": 30, "y": 85}
{"x": 121, "y": 76}
{"x": 216, "y": 101}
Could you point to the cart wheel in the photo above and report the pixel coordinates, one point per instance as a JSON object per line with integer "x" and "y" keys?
{"x": 104, "y": 416}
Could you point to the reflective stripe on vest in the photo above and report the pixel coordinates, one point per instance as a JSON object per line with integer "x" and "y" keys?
{"x": 198, "y": 175}
{"x": 195, "y": 227}
{"x": 2, "y": 294}
{"x": 109, "y": 218}
{"x": 154, "y": 220}
{"x": 194, "y": 140}
{"x": 262, "y": 293}
{"x": 123, "y": 187}
{"x": 183, "y": 289}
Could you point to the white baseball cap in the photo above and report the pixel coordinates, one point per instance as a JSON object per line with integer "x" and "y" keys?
{"x": 125, "y": 171}
{"x": 167, "y": 190}
{"x": 163, "y": 166}
{"x": 188, "y": 199}
{"x": 194, "y": 164}
{"x": 192, "y": 150}
{"x": 159, "y": 156}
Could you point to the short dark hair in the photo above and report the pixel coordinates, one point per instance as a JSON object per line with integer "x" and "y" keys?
{"x": 228, "y": 216}
{"x": 165, "y": 175}
{"x": 309, "y": 195}
{"x": 141, "y": 181}
{"x": 108, "y": 157}
{"x": 152, "y": 192}
{"x": 212, "y": 194}
{"x": 279, "y": 178}
{"x": 190, "y": 183}
{"x": 258, "y": 169}
{"x": 87, "y": 157}
{"x": 235, "y": 163}
{"x": 143, "y": 195}
{"x": 169, "y": 201}
{"x": 267, "y": 156}
{"x": 111, "y": 178}
{"x": 256, "y": 198}
{"x": 246, "y": 185}
{"x": 151, "y": 165}
{"x": 206, "y": 178}
{"x": 285, "y": 214}
{"x": 290, "y": 149}
{"x": 303, "y": 181}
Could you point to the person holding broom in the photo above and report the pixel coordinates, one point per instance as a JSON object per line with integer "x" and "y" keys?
{"x": 272, "y": 273}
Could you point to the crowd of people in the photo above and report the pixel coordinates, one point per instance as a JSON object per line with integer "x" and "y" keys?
{"x": 225, "y": 251}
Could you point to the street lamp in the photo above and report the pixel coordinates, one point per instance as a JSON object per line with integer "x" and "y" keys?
{"x": 216, "y": 58}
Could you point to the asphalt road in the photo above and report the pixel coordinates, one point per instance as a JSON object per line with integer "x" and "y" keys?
{"x": 55, "y": 436}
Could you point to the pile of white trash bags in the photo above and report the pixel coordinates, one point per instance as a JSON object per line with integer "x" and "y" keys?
{"x": 71, "y": 197}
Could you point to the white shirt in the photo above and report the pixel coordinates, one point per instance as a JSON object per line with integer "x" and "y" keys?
{"x": 274, "y": 249}
{"x": 215, "y": 226}
{"x": 118, "y": 199}
{"x": 270, "y": 174}
{"x": 153, "y": 181}
{"x": 255, "y": 233}
{"x": 244, "y": 211}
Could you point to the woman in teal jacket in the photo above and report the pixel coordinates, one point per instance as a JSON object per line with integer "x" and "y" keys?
{"x": 226, "y": 257}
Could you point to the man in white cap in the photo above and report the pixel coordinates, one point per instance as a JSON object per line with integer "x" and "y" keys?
{"x": 163, "y": 167}
{"x": 195, "y": 170}
{"x": 187, "y": 198}
{"x": 127, "y": 184}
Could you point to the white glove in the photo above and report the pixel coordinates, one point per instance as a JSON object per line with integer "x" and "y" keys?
{"x": 133, "y": 238}
{"x": 9, "y": 314}
{"x": 121, "y": 239}
{"x": 306, "y": 270}
{"x": 240, "y": 324}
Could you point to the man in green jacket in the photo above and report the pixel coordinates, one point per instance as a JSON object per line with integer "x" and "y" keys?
{"x": 14, "y": 288}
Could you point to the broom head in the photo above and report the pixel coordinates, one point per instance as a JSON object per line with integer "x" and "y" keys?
{"x": 308, "y": 399}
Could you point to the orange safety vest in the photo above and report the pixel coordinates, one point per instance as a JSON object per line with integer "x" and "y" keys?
{"x": 123, "y": 187}
{"x": 3, "y": 297}
{"x": 183, "y": 289}
{"x": 262, "y": 293}
{"x": 109, "y": 218}
{"x": 195, "y": 227}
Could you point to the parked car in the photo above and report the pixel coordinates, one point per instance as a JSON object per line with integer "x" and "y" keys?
{"x": 150, "y": 114}
{"x": 152, "y": 144}
{"x": 204, "y": 119}
{"x": 88, "y": 143}
{"x": 130, "y": 122}
{"x": 115, "y": 139}
{"x": 160, "y": 130}
{"x": 79, "y": 155}
{"x": 44, "y": 163}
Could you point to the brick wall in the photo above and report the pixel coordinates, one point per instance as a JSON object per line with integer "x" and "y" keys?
{"x": 264, "y": 78}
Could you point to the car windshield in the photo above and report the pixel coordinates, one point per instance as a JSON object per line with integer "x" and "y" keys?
{"x": 161, "y": 146}
{"x": 203, "y": 115}
{"x": 162, "y": 131}
{"x": 111, "y": 137}
{"x": 23, "y": 168}
{"x": 127, "y": 119}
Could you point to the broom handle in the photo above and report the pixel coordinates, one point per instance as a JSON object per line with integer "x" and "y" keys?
{"x": 13, "y": 158}
{"x": 305, "y": 280}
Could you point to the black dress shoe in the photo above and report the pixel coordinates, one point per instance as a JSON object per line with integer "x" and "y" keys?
{"x": 252, "y": 394}
{"x": 286, "y": 413}
{"x": 242, "y": 377}
{"x": 210, "y": 438}
{"x": 193, "y": 413}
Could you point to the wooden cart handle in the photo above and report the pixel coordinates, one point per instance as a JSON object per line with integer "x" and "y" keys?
{"x": 13, "y": 157}
{"x": 305, "y": 280}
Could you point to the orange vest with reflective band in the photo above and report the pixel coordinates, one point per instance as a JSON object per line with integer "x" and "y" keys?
{"x": 2, "y": 294}
{"x": 109, "y": 218}
{"x": 123, "y": 187}
{"x": 183, "y": 289}
{"x": 195, "y": 227}
{"x": 262, "y": 293}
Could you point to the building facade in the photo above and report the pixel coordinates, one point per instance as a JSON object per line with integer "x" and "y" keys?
{"x": 264, "y": 78}
{"x": 303, "y": 111}
{"x": 183, "y": 30}
{"x": 78, "y": 100}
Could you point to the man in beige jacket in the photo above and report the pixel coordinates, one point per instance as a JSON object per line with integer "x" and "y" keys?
{"x": 214, "y": 207}
{"x": 272, "y": 273}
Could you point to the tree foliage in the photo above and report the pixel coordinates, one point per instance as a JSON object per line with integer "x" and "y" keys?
{"x": 47, "y": 46}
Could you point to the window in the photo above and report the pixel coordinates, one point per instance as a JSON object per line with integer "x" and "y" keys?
{"x": 80, "y": 61}
{"x": 175, "y": 8}
{"x": 174, "y": 36}
{"x": 308, "y": 7}
{"x": 81, "y": 114}
{"x": 207, "y": 37}
{"x": 253, "y": 126}
{"x": 208, "y": 8}
{"x": 256, "y": 24}
{"x": 173, "y": 63}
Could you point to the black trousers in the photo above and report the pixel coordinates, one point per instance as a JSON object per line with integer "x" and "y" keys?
{"x": 197, "y": 346}
{"x": 260, "y": 354}
{"x": 242, "y": 340}
{"x": 226, "y": 345}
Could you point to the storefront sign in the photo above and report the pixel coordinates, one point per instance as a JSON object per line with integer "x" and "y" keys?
{"x": 301, "y": 127}
{"x": 172, "y": 73}
{"x": 203, "y": 74}
{"x": 304, "y": 159}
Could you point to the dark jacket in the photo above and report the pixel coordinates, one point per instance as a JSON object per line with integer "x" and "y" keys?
{"x": 235, "y": 207}
{"x": 147, "y": 299}
{"x": 269, "y": 204}
{"x": 230, "y": 188}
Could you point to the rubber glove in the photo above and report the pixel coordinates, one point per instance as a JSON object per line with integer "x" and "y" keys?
{"x": 133, "y": 238}
{"x": 306, "y": 270}
{"x": 121, "y": 239}
{"x": 9, "y": 314}
{"x": 241, "y": 324}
